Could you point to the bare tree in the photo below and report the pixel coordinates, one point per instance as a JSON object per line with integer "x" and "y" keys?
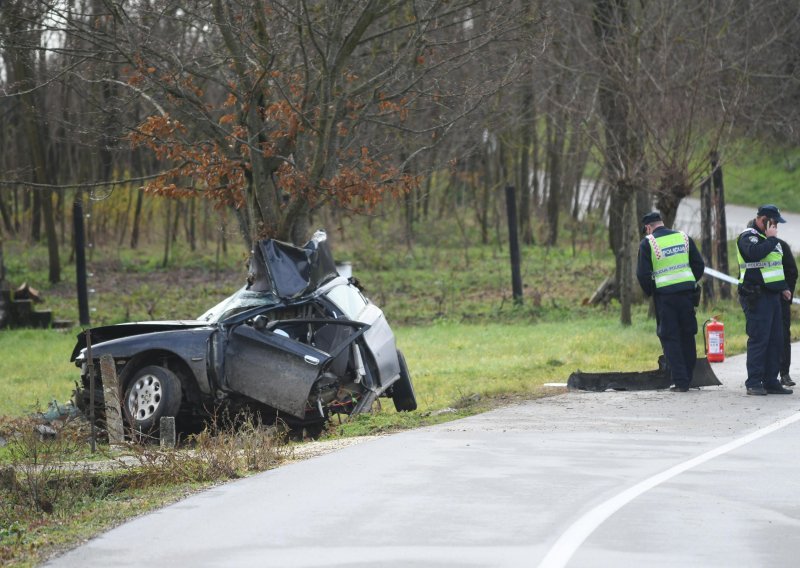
{"x": 21, "y": 25}
{"x": 624, "y": 149}
{"x": 279, "y": 108}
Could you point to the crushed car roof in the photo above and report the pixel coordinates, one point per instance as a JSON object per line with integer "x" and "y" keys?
{"x": 288, "y": 271}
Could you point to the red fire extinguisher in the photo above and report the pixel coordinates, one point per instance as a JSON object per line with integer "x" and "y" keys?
{"x": 714, "y": 332}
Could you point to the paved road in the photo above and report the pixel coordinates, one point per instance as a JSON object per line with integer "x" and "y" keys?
{"x": 704, "y": 478}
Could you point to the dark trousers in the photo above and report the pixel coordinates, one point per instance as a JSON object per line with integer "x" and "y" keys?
{"x": 764, "y": 339}
{"x": 786, "y": 355}
{"x": 676, "y": 328}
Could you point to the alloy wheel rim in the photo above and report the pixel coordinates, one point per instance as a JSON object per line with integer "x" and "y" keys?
{"x": 145, "y": 397}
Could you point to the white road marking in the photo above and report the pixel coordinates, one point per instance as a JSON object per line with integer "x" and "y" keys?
{"x": 569, "y": 542}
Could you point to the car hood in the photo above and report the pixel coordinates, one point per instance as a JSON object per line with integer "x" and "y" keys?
{"x": 109, "y": 332}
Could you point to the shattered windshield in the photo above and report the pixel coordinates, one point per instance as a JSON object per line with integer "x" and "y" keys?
{"x": 240, "y": 301}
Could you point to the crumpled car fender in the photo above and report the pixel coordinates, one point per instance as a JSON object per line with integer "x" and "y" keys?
{"x": 190, "y": 346}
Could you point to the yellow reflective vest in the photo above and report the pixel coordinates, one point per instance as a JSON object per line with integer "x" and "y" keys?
{"x": 771, "y": 266}
{"x": 670, "y": 257}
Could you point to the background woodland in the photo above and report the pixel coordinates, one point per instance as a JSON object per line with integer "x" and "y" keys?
{"x": 217, "y": 122}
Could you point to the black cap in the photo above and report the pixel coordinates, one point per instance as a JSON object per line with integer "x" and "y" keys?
{"x": 772, "y": 212}
{"x": 651, "y": 217}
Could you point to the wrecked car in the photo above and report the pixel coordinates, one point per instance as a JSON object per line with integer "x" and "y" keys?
{"x": 299, "y": 342}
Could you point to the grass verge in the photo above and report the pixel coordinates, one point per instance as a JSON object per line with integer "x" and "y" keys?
{"x": 449, "y": 361}
{"x": 52, "y": 497}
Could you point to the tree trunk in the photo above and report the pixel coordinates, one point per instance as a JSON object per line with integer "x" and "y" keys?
{"x": 126, "y": 216}
{"x": 43, "y": 204}
{"x": 627, "y": 259}
{"x": 179, "y": 207}
{"x": 707, "y": 249}
{"x": 191, "y": 225}
{"x": 167, "y": 235}
{"x": 16, "y": 211}
{"x": 137, "y": 216}
{"x": 53, "y": 261}
{"x": 6, "y": 215}
{"x": 555, "y": 168}
{"x": 483, "y": 164}
{"x": 36, "y": 217}
{"x": 3, "y": 283}
{"x": 721, "y": 226}
{"x": 624, "y": 150}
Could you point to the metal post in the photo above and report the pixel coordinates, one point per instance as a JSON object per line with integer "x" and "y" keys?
{"x": 90, "y": 372}
{"x": 80, "y": 260}
{"x": 513, "y": 244}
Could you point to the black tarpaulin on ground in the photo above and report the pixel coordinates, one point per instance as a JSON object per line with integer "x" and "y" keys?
{"x": 289, "y": 271}
{"x": 640, "y": 380}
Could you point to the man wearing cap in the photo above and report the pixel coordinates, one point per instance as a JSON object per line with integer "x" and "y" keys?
{"x": 668, "y": 269}
{"x": 762, "y": 285}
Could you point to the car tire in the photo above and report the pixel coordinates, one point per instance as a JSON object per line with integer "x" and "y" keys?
{"x": 154, "y": 392}
{"x": 403, "y": 390}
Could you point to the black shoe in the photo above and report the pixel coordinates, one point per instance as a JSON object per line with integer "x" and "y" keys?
{"x": 778, "y": 390}
{"x": 787, "y": 381}
{"x": 679, "y": 389}
{"x": 759, "y": 391}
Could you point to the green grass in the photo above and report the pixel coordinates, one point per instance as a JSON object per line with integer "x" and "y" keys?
{"x": 757, "y": 174}
{"x": 449, "y": 361}
{"x": 453, "y": 361}
{"x": 442, "y": 280}
{"x": 35, "y": 369}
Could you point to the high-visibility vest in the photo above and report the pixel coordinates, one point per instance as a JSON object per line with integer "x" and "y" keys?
{"x": 670, "y": 256}
{"x": 771, "y": 266}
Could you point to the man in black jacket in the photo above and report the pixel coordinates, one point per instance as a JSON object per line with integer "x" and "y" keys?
{"x": 762, "y": 286}
{"x": 668, "y": 269}
{"x": 790, "y": 273}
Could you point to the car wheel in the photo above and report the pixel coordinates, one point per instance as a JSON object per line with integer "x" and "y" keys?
{"x": 153, "y": 393}
{"x": 402, "y": 390}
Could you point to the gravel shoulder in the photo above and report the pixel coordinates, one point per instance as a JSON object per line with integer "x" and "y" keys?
{"x": 317, "y": 448}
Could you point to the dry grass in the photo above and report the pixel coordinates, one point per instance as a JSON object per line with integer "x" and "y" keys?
{"x": 51, "y": 484}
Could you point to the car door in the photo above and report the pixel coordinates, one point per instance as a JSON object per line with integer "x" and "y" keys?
{"x": 272, "y": 368}
{"x": 278, "y": 365}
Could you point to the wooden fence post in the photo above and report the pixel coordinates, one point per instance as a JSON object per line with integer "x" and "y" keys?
{"x": 111, "y": 395}
{"x": 513, "y": 245}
